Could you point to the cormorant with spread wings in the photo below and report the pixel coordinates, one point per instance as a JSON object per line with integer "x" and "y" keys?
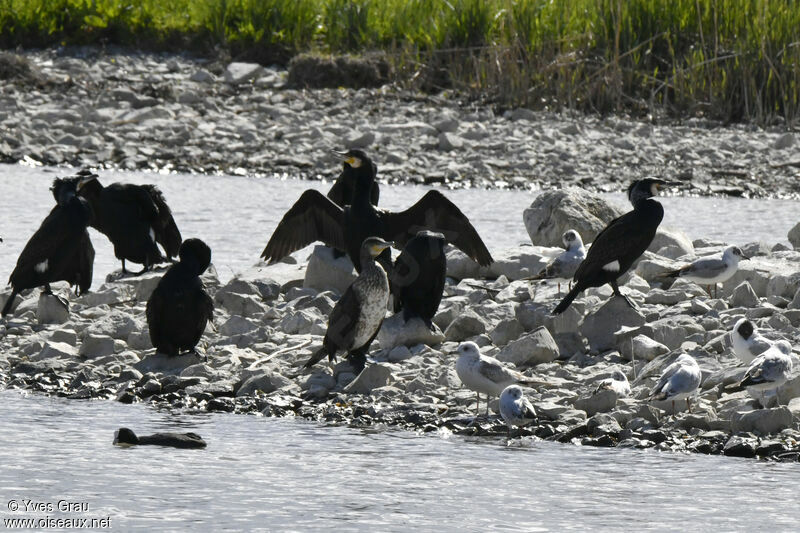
{"x": 314, "y": 217}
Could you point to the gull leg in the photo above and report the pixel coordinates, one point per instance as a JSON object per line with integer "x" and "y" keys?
{"x": 559, "y": 287}
{"x": 478, "y": 404}
{"x": 673, "y": 407}
{"x": 688, "y": 405}
{"x": 487, "y": 405}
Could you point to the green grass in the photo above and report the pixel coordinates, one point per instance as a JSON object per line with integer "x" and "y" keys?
{"x": 733, "y": 60}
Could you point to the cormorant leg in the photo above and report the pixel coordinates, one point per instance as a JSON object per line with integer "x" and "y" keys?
{"x": 617, "y": 292}
{"x": 47, "y": 289}
{"x": 123, "y": 267}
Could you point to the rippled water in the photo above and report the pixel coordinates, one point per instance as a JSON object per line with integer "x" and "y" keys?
{"x": 236, "y": 215}
{"x": 279, "y": 474}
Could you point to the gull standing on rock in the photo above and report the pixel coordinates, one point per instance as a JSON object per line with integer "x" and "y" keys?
{"x": 484, "y": 374}
{"x": 618, "y": 382}
{"x": 711, "y": 270}
{"x": 679, "y": 381}
{"x": 769, "y": 370}
{"x": 357, "y": 316}
{"x": 564, "y": 265}
{"x": 515, "y": 408}
{"x": 622, "y": 242}
{"x": 747, "y": 342}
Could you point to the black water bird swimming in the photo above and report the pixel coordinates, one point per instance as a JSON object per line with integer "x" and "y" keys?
{"x": 60, "y": 250}
{"x": 135, "y": 218}
{"x": 418, "y": 276}
{"x": 125, "y": 436}
{"x": 316, "y": 218}
{"x": 620, "y": 243}
{"x": 357, "y": 316}
{"x": 179, "y": 308}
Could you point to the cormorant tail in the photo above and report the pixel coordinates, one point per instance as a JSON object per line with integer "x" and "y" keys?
{"x": 571, "y": 295}
{"x": 9, "y": 302}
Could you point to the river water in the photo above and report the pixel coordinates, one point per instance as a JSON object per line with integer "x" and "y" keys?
{"x": 286, "y": 474}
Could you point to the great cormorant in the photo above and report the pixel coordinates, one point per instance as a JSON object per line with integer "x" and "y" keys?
{"x": 179, "y": 308}
{"x": 316, "y": 218}
{"x": 418, "y": 276}
{"x": 620, "y": 243}
{"x": 341, "y": 192}
{"x": 60, "y": 250}
{"x": 357, "y": 316}
{"x": 133, "y": 217}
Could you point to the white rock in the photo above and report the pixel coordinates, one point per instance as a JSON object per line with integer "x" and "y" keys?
{"x": 764, "y": 421}
{"x": 202, "y": 76}
{"x": 324, "y": 273}
{"x": 237, "y": 325}
{"x": 599, "y": 327}
{"x": 266, "y": 382}
{"x": 116, "y": 324}
{"x": 51, "y": 310}
{"x": 396, "y": 332}
{"x": 466, "y": 325}
{"x": 642, "y": 348}
{"x": 601, "y": 402}
{"x": 744, "y": 296}
{"x": 55, "y": 350}
{"x": 786, "y": 140}
{"x": 450, "y": 141}
{"x": 673, "y": 239}
{"x": 373, "y": 376}
{"x": 96, "y": 346}
{"x": 237, "y": 73}
{"x": 67, "y": 336}
{"x": 167, "y": 364}
{"x": 531, "y": 349}
{"x": 506, "y": 331}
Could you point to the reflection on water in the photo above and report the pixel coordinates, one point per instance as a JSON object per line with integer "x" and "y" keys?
{"x": 236, "y": 215}
{"x": 290, "y": 474}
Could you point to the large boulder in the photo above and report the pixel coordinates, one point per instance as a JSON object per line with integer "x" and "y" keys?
{"x": 794, "y": 236}
{"x": 554, "y": 212}
{"x": 764, "y": 421}
{"x": 51, "y": 310}
{"x": 372, "y": 377}
{"x": 671, "y": 243}
{"x": 324, "y": 272}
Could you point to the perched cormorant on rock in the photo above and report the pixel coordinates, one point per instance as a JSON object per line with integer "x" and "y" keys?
{"x": 179, "y": 308}
{"x": 60, "y": 250}
{"x": 418, "y": 276}
{"x": 341, "y": 192}
{"x": 620, "y": 243}
{"x": 133, "y": 217}
{"x": 357, "y": 316}
{"x": 125, "y": 436}
{"x": 316, "y": 218}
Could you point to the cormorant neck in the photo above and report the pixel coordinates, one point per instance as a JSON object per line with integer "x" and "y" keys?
{"x": 366, "y": 258}
{"x": 639, "y": 199}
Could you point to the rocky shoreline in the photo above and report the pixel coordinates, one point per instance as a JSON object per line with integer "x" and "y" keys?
{"x": 133, "y": 111}
{"x": 269, "y": 320}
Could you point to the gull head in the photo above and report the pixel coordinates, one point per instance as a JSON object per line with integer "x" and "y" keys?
{"x": 617, "y": 375}
{"x": 513, "y": 391}
{"x": 571, "y": 239}
{"x": 469, "y": 349}
{"x": 744, "y": 328}
{"x": 685, "y": 358}
{"x": 733, "y": 253}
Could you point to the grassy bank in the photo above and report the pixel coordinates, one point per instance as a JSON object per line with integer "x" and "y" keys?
{"x": 725, "y": 59}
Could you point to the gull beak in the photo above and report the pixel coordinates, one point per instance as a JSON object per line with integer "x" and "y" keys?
{"x": 744, "y": 257}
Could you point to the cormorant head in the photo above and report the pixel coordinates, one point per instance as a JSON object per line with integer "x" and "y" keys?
{"x": 646, "y": 188}
{"x": 469, "y": 349}
{"x": 744, "y": 328}
{"x": 358, "y": 164}
{"x": 571, "y": 239}
{"x": 87, "y": 180}
{"x": 125, "y": 436}
{"x": 196, "y": 253}
{"x": 63, "y": 189}
{"x": 734, "y": 253}
{"x": 374, "y": 246}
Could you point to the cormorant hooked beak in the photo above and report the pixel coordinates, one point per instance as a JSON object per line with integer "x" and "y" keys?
{"x": 348, "y": 158}
{"x": 84, "y": 181}
{"x": 378, "y": 248}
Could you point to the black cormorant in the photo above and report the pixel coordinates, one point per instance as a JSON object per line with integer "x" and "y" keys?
{"x": 620, "y": 243}
{"x": 60, "y": 250}
{"x": 418, "y": 276}
{"x": 357, "y": 316}
{"x": 125, "y": 436}
{"x": 316, "y": 218}
{"x": 133, "y": 217}
{"x": 179, "y": 308}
